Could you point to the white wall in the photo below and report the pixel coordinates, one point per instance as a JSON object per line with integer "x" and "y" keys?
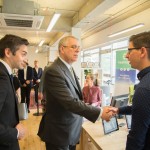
{"x": 41, "y": 57}
{"x": 77, "y": 65}
{"x": 53, "y": 55}
{"x": 102, "y": 36}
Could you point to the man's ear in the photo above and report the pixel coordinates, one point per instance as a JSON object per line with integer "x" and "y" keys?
{"x": 143, "y": 51}
{"x": 8, "y": 53}
{"x": 61, "y": 49}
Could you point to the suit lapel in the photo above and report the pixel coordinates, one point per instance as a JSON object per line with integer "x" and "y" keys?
{"x": 27, "y": 73}
{"x": 35, "y": 72}
{"x": 38, "y": 72}
{"x": 77, "y": 83}
{"x": 12, "y": 84}
{"x": 11, "y": 80}
{"x": 23, "y": 74}
{"x": 16, "y": 101}
{"x": 68, "y": 74}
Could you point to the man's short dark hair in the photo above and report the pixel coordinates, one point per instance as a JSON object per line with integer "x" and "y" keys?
{"x": 141, "y": 40}
{"x": 12, "y": 42}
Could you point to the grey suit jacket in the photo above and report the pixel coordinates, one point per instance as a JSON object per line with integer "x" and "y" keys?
{"x": 61, "y": 123}
{"x": 8, "y": 112}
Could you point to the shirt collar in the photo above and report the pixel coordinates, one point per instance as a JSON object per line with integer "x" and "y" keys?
{"x": 7, "y": 66}
{"x": 25, "y": 68}
{"x": 143, "y": 72}
{"x": 68, "y": 65}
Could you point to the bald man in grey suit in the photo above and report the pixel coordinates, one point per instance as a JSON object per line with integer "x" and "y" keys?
{"x": 61, "y": 124}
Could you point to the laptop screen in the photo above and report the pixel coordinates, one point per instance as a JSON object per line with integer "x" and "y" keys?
{"x": 111, "y": 125}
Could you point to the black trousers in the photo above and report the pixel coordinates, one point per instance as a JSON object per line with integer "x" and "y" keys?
{"x": 50, "y": 146}
{"x": 25, "y": 95}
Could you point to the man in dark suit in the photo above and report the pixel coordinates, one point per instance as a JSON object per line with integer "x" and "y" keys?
{"x": 26, "y": 79}
{"x": 138, "y": 56}
{"x": 13, "y": 52}
{"x": 37, "y": 72}
{"x": 61, "y": 124}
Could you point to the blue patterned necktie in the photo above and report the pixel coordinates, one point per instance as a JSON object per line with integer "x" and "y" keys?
{"x": 11, "y": 76}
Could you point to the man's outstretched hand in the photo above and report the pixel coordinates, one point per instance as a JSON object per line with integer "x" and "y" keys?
{"x": 109, "y": 112}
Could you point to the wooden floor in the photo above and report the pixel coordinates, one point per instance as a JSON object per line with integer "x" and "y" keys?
{"x": 31, "y": 140}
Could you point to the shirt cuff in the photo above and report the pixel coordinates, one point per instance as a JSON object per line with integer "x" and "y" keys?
{"x": 101, "y": 112}
{"x": 17, "y": 133}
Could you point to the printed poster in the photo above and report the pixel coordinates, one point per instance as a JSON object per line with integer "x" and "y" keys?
{"x": 124, "y": 72}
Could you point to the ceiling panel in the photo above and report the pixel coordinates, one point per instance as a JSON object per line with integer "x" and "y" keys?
{"x": 89, "y": 15}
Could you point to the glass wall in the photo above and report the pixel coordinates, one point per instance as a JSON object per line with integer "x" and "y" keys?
{"x": 110, "y": 65}
{"x": 105, "y": 58}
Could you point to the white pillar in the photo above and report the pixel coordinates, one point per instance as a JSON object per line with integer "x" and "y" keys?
{"x": 53, "y": 53}
{"x": 77, "y": 65}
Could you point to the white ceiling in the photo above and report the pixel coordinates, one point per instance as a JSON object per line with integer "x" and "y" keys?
{"x": 89, "y": 15}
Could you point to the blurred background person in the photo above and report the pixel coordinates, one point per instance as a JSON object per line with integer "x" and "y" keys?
{"x": 37, "y": 74}
{"x": 41, "y": 89}
{"x": 26, "y": 77}
{"x": 41, "y": 93}
{"x": 92, "y": 94}
{"x": 17, "y": 84}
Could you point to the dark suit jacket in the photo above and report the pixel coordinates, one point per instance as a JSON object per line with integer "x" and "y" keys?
{"x": 61, "y": 124}
{"x": 16, "y": 83}
{"x": 8, "y": 112}
{"x": 29, "y": 76}
{"x": 36, "y": 75}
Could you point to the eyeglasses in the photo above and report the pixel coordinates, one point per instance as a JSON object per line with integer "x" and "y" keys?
{"x": 130, "y": 49}
{"x": 73, "y": 46}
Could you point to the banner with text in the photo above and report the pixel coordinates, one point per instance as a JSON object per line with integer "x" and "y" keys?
{"x": 124, "y": 72}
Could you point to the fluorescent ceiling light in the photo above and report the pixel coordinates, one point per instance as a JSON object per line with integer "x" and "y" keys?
{"x": 53, "y": 21}
{"x": 127, "y": 30}
{"x": 36, "y": 51}
{"x": 41, "y": 43}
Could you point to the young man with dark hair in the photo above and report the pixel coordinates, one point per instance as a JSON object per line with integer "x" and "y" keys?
{"x": 138, "y": 56}
{"x": 13, "y": 54}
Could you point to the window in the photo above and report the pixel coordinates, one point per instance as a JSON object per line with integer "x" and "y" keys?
{"x": 105, "y": 56}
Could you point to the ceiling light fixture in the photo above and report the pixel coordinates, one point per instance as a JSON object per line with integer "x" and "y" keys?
{"x": 127, "y": 30}
{"x": 41, "y": 43}
{"x": 36, "y": 51}
{"x": 53, "y": 21}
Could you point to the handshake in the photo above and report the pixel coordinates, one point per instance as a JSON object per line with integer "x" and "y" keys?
{"x": 108, "y": 112}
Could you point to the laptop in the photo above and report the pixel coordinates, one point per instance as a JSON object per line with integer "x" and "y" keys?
{"x": 111, "y": 125}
